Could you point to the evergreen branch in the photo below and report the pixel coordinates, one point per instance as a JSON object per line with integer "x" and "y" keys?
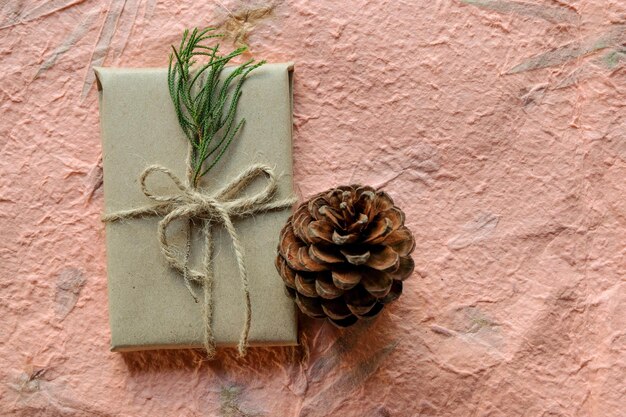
{"x": 203, "y": 101}
{"x": 223, "y": 149}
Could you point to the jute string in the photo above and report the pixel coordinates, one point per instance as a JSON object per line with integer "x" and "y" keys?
{"x": 194, "y": 205}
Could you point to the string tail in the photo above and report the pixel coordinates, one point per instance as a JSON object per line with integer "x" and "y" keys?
{"x": 207, "y": 313}
{"x": 240, "y": 256}
{"x": 207, "y": 286}
{"x": 186, "y": 265}
{"x": 243, "y": 340}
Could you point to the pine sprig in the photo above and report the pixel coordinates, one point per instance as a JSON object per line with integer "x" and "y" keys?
{"x": 206, "y": 105}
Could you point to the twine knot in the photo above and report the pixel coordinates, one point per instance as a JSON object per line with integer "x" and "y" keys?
{"x": 194, "y": 205}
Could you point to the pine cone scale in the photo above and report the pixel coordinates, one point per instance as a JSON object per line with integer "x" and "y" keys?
{"x": 288, "y": 275}
{"x": 377, "y": 283}
{"x": 319, "y": 231}
{"x": 336, "y": 309}
{"x": 383, "y": 259}
{"x": 306, "y": 286}
{"x": 401, "y": 241}
{"x": 394, "y": 292}
{"x": 379, "y": 231}
{"x": 404, "y": 270}
{"x": 346, "y": 279}
{"x": 326, "y": 288}
{"x": 312, "y": 307}
{"x": 356, "y": 257}
{"x": 309, "y": 263}
{"x": 339, "y": 239}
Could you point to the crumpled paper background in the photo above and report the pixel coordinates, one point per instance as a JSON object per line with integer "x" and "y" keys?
{"x": 498, "y": 125}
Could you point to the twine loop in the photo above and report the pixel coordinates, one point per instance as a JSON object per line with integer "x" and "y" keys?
{"x": 194, "y": 205}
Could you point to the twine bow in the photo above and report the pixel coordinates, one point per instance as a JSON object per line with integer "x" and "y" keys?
{"x": 192, "y": 204}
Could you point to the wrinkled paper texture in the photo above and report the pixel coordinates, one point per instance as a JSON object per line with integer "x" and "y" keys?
{"x": 497, "y": 125}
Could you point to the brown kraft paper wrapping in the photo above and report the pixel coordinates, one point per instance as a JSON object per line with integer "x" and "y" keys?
{"x": 149, "y": 305}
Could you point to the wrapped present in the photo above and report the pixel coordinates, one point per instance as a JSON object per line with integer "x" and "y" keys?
{"x": 155, "y": 257}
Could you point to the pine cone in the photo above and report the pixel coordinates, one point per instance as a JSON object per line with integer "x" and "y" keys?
{"x": 344, "y": 254}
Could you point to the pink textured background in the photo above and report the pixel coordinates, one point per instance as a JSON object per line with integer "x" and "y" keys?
{"x": 499, "y": 126}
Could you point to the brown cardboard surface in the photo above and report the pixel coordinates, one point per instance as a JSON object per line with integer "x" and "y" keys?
{"x": 149, "y": 306}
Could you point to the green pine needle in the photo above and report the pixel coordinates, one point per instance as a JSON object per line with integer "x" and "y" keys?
{"x": 204, "y": 104}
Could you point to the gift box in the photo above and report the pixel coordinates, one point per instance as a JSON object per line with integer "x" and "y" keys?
{"x": 149, "y": 304}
